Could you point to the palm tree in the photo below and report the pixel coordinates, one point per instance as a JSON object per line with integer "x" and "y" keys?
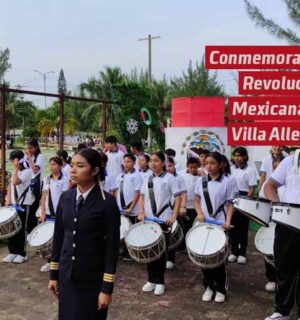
{"x": 291, "y": 36}
{"x": 46, "y": 127}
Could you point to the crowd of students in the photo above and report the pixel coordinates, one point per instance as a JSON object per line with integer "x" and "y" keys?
{"x": 143, "y": 185}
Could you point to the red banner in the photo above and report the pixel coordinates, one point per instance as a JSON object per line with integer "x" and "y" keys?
{"x": 252, "y": 57}
{"x": 263, "y": 134}
{"x": 278, "y": 83}
{"x": 264, "y": 108}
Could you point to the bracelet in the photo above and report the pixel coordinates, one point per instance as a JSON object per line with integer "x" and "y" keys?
{"x": 183, "y": 207}
{"x": 141, "y": 212}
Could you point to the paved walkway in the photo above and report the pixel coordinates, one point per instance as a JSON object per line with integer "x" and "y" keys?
{"x": 24, "y": 294}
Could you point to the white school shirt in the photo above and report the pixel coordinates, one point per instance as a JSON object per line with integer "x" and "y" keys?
{"x": 283, "y": 176}
{"x": 66, "y": 170}
{"x": 190, "y": 183}
{"x": 181, "y": 186}
{"x": 110, "y": 183}
{"x": 25, "y": 177}
{"x": 146, "y": 173}
{"x": 221, "y": 191}
{"x": 261, "y": 194}
{"x": 164, "y": 187}
{"x": 114, "y": 163}
{"x": 40, "y": 162}
{"x": 132, "y": 182}
{"x": 267, "y": 166}
{"x": 56, "y": 187}
{"x": 245, "y": 177}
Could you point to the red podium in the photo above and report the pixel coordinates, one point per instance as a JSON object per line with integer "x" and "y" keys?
{"x": 198, "y": 112}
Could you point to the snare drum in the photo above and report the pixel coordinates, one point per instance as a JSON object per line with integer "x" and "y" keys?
{"x": 264, "y": 241}
{"x": 256, "y": 209}
{"x": 41, "y": 238}
{"x": 125, "y": 226}
{"x": 10, "y": 223}
{"x": 206, "y": 245}
{"x": 287, "y": 214}
{"x": 145, "y": 242}
{"x": 176, "y": 236}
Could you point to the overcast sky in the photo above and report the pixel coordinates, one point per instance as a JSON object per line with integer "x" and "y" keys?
{"x": 82, "y": 36}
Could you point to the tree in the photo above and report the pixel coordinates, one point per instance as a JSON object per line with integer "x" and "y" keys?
{"x": 196, "y": 82}
{"x": 62, "y": 83}
{"x": 293, "y": 8}
{"x": 4, "y": 63}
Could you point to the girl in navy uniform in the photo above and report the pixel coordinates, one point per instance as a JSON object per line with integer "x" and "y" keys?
{"x": 221, "y": 193}
{"x": 85, "y": 243}
{"x": 245, "y": 176}
{"x": 53, "y": 187}
{"x": 164, "y": 187}
{"x": 182, "y": 188}
{"x": 19, "y": 195}
{"x": 36, "y": 161}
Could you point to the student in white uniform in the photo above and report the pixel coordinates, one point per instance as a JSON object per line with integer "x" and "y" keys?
{"x": 245, "y": 176}
{"x": 172, "y": 154}
{"x": 287, "y": 241}
{"x": 129, "y": 186}
{"x": 110, "y": 182}
{"x": 202, "y": 159}
{"x": 182, "y": 188}
{"x": 136, "y": 148}
{"x": 221, "y": 193}
{"x": 143, "y": 164}
{"x": 20, "y": 196}
{"x": 36, "y": 161}
{"x": 115, "y": 157}
{"x": 63, "y": 155}
{"x": 164, "y": 186}
{"x": 269, "y": 267}
{"x": 266, "y": 168}
{"x": 53, "y": 187}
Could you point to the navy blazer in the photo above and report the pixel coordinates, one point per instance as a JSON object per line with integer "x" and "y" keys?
{"x": 86, "y": 243}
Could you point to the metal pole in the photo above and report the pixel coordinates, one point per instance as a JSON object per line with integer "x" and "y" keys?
{"x": 61, "y": 123}
{"x": 45, "y": 104}
{"x": 3, "y": 164}
{"x": 149, "y": 58}
{"x": 44, "y": 78}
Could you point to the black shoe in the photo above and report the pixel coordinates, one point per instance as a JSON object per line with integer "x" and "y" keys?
{"x": 127, "y": 258}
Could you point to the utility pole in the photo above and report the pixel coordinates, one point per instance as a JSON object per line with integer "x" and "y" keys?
{"x": 149, "y": 38}
{"x": 44, "y": 77}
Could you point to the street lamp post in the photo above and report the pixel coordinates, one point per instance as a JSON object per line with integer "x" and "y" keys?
{"x": 44, "y": 77}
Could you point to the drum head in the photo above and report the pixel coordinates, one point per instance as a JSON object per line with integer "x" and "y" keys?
{"x": 6, "y": 213}
{"x": 143, "y": 234}
{"x": 264, "y": 239}
{"x": 125, "y": 225}
{"x": 41, "y": 234}
{"x": 205, "y": 239}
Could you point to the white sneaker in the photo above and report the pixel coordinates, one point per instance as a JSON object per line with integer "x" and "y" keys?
{"x": 45, "y": 267}
{"x": 9, "y": 258}
{"x": 159, "y": 289}
{"x": 208, "y": 294}
{"x": 270, "y": 287}
{"x": 20, "y": 259}
{"x": 277, "y": 316}
{"x": 148, "y": 287}
{"x": 242, "y": 260}
{"x": 220, "y": 297}
{"x": 232, "y": 258}
{"x": 170, "y": 265}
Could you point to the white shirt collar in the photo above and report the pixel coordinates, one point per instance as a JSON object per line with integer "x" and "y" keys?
{"x": 78, "y": 194}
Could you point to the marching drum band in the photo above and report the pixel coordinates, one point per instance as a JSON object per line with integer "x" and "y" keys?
{"x": 141, "y": 206}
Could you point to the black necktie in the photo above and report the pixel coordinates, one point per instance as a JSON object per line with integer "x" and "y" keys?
{"x": 79, "y": 203}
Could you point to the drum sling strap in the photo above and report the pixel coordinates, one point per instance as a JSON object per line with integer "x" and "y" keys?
{"x": 22, "y": 196}
{"x": 152, "y": 199}
{"x": 122, "y": 200}
{"x": 208, "y": 201}
{"x": 50, "y": 202}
